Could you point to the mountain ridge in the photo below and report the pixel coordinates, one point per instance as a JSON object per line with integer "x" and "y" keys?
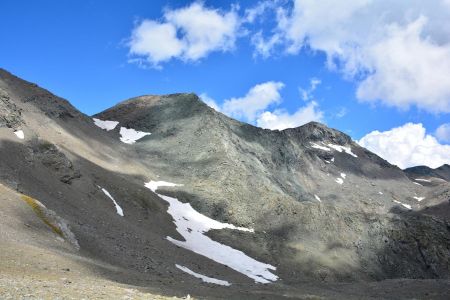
{"x": 323, "y": 210}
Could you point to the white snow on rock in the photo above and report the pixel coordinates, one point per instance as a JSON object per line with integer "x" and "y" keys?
{"x": 317, "y": 198}
{"x": 192, "y": 225}
{"x": 419, "y": 198}
{"x": 118, "y": 208}
{"x": 417, "y": 183}
{"x": 423, "y": 180}
{"x": 329, "y": 161}
{"x": 203, "y": 277}
{"x": 381, "y": 193}
{"x": 339, "y": 180}
{"x": 343, "y": 175}
{"x": 340, "y": 148}
{"x": 106, "y": 125}
{"x": 19, "y": 134}
{"x": 403, "y": 204}
{"x": 130, "y": 136}
{"x": 314, "y": 145}
{"x": 153, "y": 185}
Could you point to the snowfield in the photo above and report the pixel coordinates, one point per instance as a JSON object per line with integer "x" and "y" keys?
{"x": 340, "y": 148}
{"x": 19, "y": 134}
{"x": 204, "y": 278}
{"x": 119, "y": 209}
{"x": 106, "y": 125}
{"x": 314, "y": 145}
{"x": 130, "y": 136}
{"x": 423, "y": 180}
{"x": 329, "y": 147}
{"x": 403, "y": 204}
{"x": 192, "y": 225}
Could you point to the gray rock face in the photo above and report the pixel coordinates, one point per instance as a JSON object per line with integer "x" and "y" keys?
{"x": 329, "y": 208}
{"x": 442, "y": 172}
{"x": 56, "y": 161}
{"x": 324, "y": 210}
{"x": 10, "y": 115}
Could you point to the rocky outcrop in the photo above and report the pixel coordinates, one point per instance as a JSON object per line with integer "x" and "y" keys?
{"x": 442, "y": 172}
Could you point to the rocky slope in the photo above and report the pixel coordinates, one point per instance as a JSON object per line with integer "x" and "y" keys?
{"x": 329, "y": 209}
{"x": 329, "y": 218}
{"x": 442, "y": 172}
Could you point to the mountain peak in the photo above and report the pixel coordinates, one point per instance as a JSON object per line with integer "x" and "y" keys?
{"x": 315, "y": 131}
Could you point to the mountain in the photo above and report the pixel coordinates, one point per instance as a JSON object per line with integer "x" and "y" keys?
{"x": 442, "y": 172}
{"x": 164, "y": 195}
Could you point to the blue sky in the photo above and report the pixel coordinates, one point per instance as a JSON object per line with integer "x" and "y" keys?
{"x": 98, "y": 53}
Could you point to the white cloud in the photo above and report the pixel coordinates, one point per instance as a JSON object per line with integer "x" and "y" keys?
{"x": 307, "y": 93}
{"x": 257, "y": 99}
{"x": 443, "y": 133}
{"x": 342, "y": 112}
{"x": 158, "y": 42}
{"x": 188, "y": 33}
{"x": 409, "y": 70}
{"x": 209, "y": 101}
{"x": 254, "y": 107}
{"x": 407, "y": 146}
{"x": 399, "y": 52}
{"x": 280, "y": 119}
{"x": 252, "y": 13}
{"x": 264, "y": 46}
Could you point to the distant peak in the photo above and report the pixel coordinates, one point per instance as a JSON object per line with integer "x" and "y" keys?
{"x": 315, "y": 131}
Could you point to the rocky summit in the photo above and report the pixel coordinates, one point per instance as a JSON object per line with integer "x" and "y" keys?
{"x": 162, "y": 196}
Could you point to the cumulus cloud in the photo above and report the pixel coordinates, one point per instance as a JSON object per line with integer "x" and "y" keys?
{"x": 253, "y": 13}
{"x": 407, "y": 146}
{"x": 443, "y": 133}
{"x": 399, "y": 52}
{"x": 280, "y": 119}
{"x": 258, "y": 98}
{"x": 307, "y": 94}
{"x": 255, "y": 107}
{"x": 188, "y": 33}
{"x": 341, "y": 113}
{"x": 209, "y": 101}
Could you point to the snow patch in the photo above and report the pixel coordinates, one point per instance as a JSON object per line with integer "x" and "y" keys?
{"x": 423, "y": 180}
{"x": 118, "y": 208}
{"x": 153, "y": 185}
{"x": 340, "y": 148}
{"x": 329, "y": 161}
{"x": 381, "y": 193}
{"x": 419, "y": 198}
{"x": 343, "y": 175}
{"x": 192, "y": 226}
{"x": 314, "y": 145}
{"x": 339, "y": 180}
{"x": 19, "y": 134}
{"x": 203, "y": 277}
{"x": 317, "y": 198}
{"x": 106, "y": 125}
{"x": 130, "y": 136}
{"x": 417, "y": 183}
{"x": 403, "y": 204}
